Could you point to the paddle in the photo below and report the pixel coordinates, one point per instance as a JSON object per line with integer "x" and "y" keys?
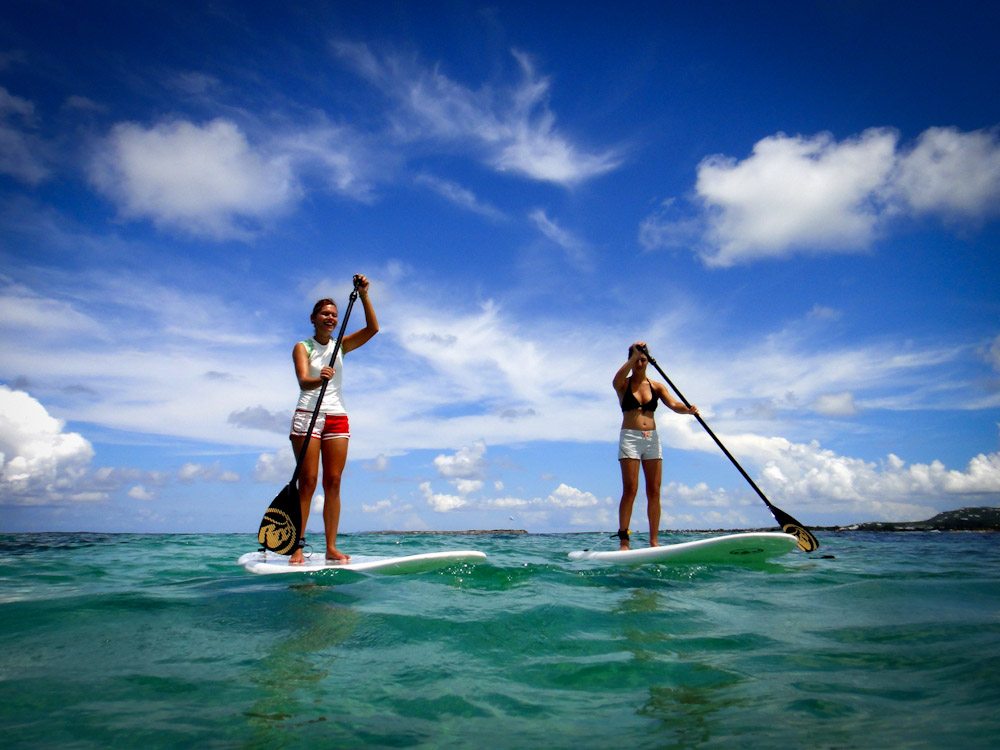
{"x": 807, "y": 542}
{"x": 280, "y": 528}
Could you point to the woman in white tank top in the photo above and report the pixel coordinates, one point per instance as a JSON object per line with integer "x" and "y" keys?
{"x": 331, "y": 433}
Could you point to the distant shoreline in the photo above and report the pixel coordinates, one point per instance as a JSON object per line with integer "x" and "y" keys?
{"x": 466, "y": 532}
{"x": 982, "y": 519}
{"x": 964, "y": 519}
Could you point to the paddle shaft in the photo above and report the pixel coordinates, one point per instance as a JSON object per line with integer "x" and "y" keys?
{"x": 322, "y": 390}
{"x": 806, "y": 540}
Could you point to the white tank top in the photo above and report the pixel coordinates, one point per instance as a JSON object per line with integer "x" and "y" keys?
{"x": 319, "y": 357}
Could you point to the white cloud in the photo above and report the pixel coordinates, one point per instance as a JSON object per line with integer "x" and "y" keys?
{"x": 460, "y": 196}
{"x": 576, "y": 249}
{"x": 167, "y": 384}
{"x": 82, "y": 104}
{"x": 201, "y": 179}
{"x": 39, "y": 461}
{"x": 466, "y": 463}
{"x": 812, "y": 194}
{"x": 42, "y": 463}
{"x": 465, "y": 365}
{"x": 139, "y": 492}
{"x": 24, "y": 311}
{"x": 191, "y": 472}
{"x": 256, "y": 417}
{"x": 816, "y": 485}
{"x": 274, "y": 467}
{"x": 808, "y": 474}
{"x": 377, "y": 507}
{"x": 505, "y": 503}
{"x": 593, "y": 518}
{"x": 440, "y": 502}
{"x": 513, "y": 128}
{"x": 822, "y": 312}
{"x": 565, "y": 496}
{"x": 467, "y": 486}
{"x": 698, "y": 496}
{"x": 952, "y": 173}
{"x": 836, "y": 405}
{"x": 344, "y": 160}
{"x": 669, "y": 228}
{"x": 794, "y": 192}
{"x": 993, "y": 354}
{"x": 21, "y": 151}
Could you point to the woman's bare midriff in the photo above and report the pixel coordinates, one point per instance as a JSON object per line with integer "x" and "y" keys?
{"x": 636, "y": 419}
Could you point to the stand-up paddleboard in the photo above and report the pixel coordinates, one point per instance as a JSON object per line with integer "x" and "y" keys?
{"x": 749, "y": 547}
{"x": 265, "y": 563}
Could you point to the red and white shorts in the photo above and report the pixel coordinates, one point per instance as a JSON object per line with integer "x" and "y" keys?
{"x": 327, "y": 427}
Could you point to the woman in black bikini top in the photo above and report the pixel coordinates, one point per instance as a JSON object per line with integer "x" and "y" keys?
{"x": 630, "y": 402}
{"x": 638, "y": 443}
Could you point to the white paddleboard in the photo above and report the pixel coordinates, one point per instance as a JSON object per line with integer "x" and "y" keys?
{"x": 270, "y": 563}
{"x": 748, "y": 547}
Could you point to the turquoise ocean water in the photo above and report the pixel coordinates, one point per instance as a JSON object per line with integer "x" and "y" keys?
{"x": 163, "y": 641}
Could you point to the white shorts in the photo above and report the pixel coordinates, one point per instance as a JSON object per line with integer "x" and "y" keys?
{"x": 643, "y": 445}
{"x": 327, "y": 427}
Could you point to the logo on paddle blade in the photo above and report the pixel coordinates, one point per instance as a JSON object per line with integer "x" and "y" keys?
{"x": 807, "y": 542}
{"x": 277, "y": 531}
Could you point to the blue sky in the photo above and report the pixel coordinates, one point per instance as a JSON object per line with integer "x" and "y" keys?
{"x": 794, "y": 204}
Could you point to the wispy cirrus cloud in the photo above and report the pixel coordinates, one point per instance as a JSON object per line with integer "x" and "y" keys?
{"x": 575, "y": 248}
{"x": 511, "y": 127}
{"x": 460, "y": 196}
{"x": 226, "y": 179}
{"x": 22, "y": 152}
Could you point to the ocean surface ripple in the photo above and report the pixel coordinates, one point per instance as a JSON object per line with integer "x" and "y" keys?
{"x": 883, "y": 640}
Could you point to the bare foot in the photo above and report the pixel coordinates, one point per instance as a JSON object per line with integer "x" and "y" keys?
{"x": 336, "y": 556}
{"x": 297, "y": 557}
{"x": 623, "y": 547}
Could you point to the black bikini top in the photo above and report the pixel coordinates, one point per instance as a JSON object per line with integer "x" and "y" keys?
{"x": 629, "y": 401}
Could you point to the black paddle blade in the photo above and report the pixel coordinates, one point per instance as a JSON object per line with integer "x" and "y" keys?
{"x": 279, "y": 529}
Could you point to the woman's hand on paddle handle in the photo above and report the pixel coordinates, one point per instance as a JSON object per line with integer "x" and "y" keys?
{"x": 638, "y": 350}
{"x": 326, "y": 373}
{"x": 361, "y": 284}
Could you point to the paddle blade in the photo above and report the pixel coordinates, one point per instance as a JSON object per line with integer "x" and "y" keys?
{"x": 279, "y": 529}
{"x": 807, "y": 542}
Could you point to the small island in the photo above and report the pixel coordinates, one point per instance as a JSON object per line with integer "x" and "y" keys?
{"x": 963, "y": 519}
